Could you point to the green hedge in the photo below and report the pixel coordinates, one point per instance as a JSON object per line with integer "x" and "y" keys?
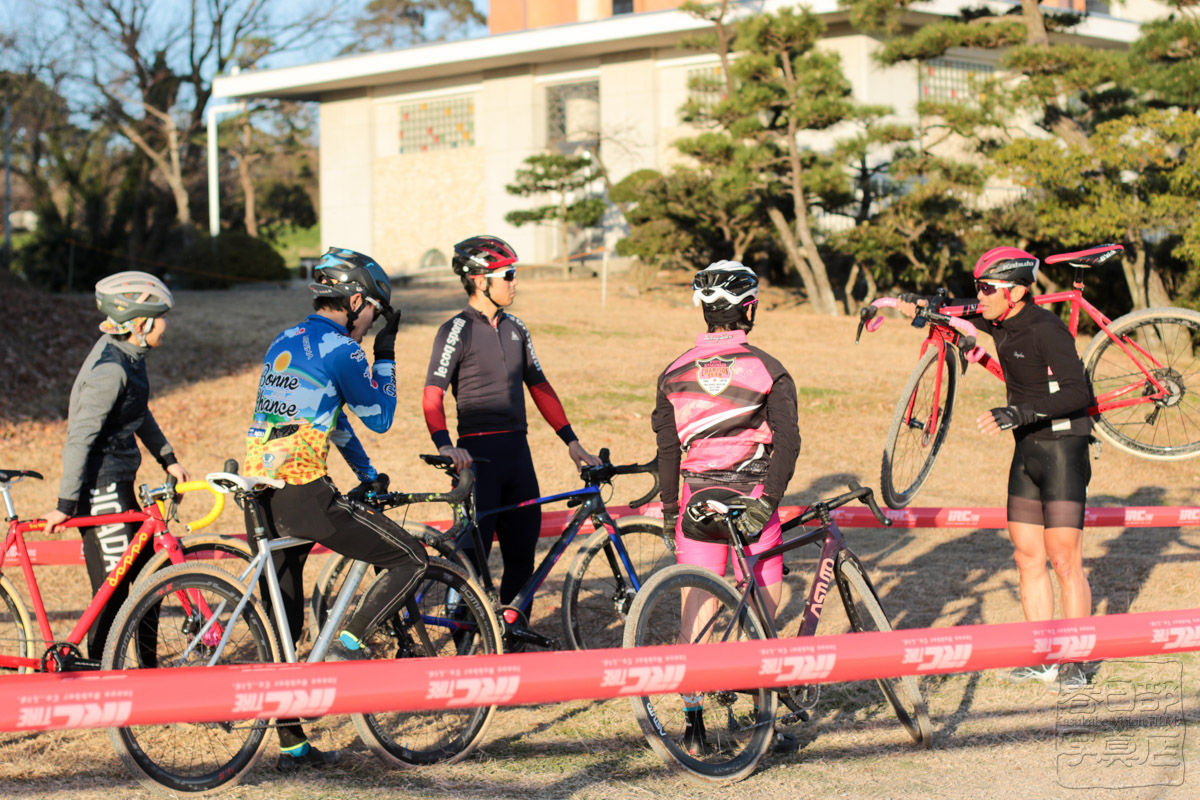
{"x": 233, "y": 257}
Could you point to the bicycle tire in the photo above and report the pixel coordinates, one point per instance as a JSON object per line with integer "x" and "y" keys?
{"x": 329, "y": 581}
{"x": 152, "y": 631}
{"x": 1169, "y": 429}
{"x": 16, "y": 629}
{"x": 741, "y": 732}
{"x": 910, "y": 449}
{"x": 596, "y": 599}
{"x": 444, "y": 596}
{"x": 211, "y": 548}
{"x": 866, "y": 614}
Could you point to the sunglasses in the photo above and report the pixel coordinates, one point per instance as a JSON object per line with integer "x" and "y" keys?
{"x": 509, "y": 275}
{"x": 989, "y": 289}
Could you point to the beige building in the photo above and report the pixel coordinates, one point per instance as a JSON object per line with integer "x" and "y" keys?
{"x": 417, "y": 145}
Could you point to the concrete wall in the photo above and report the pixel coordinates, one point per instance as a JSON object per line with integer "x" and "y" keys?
{"x": 346, "y": 172}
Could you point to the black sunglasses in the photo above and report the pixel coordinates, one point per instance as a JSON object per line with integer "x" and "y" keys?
{"x": 989, "y": 289}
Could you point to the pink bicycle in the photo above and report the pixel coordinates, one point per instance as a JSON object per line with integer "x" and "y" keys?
{"x": 1144, "y": 368}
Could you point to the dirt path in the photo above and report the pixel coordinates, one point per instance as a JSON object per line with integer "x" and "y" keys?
{"x": 991, "y": 739}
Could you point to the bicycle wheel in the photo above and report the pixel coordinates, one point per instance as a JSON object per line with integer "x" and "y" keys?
{"x": 598, "y": 591}
{"x": 329, "y": 581}
{"x": 155, "y": 629}
{"x": 915, "y": 438}
{"x": 16, "y": 629}
{"x": 738, "y": 722}
{"x": 227, "y": 552}
{"x": 452, "y": 618}
{"x": 866, "y": 614}
{"x": 1166, "y": 341}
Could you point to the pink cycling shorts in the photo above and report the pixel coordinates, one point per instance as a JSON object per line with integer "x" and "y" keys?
{"x": 714, "y": 556}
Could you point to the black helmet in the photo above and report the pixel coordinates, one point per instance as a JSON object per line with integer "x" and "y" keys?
{"x": 481, "y": 255}
{"x": 724, "y": 285}
{"x": 703, "y": 524}
{"x": 342, "y": 273}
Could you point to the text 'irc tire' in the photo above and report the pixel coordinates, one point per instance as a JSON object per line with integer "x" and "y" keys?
{"x": 598, "y": 591}
{"x": 919, "y": 426}
{"x": 866, "y": 614}
{"x": 227, "y": 552}
{"x": 1166, "y": 341}
{"x": 447, "y": 616}
{"x": 738, "y": 722}
{"x": 158, "y": 627}
{"x": 16, "y": 629}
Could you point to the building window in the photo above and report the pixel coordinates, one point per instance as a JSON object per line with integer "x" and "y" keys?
{"x": 572, "y": 114}
{"x": 706, "y": 87}
{"x": 622, "y": 7}
{"x": 440, "y": 124}
{"x": 951, "y": 79}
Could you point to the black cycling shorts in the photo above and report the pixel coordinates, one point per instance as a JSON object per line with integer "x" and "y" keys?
{"x": 1047, "y": 482}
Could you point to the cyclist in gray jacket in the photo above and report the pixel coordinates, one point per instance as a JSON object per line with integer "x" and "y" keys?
{"x": 108, "y": 413}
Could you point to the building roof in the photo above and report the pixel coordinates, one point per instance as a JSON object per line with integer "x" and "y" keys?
{"x": 573, "y": 41}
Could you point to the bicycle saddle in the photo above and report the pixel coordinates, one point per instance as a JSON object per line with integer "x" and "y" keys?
{"x": 1092, "y": 257}
{"x": 231, "y": 482}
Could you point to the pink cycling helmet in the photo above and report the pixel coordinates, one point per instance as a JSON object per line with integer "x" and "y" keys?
{"x": 1007, "y": 264}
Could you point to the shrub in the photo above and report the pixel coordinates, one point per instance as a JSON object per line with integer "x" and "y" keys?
{"x": 232, "y": 257}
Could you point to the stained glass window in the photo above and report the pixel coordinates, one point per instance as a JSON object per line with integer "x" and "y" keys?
{"x": 440, "y": 124}
{"x": 951, "y": 79}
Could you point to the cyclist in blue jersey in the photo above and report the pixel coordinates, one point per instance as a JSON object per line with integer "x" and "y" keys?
{"x": 312, "y": 373}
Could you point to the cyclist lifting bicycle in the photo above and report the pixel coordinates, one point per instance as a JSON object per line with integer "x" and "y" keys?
{"x": 485, "y": 355}
{"x": 109, "y": 411}
{"x": 311, "y": 373}
{"x": 1048, "y": 401}
{"x": 725, "y": 417}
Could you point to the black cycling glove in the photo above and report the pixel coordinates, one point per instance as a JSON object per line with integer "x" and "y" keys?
{"x": 1009, "y": 417}
{"x": 670, "y": 518}
{"x": 758, "y": 512}
{"x": 385, "y": 340}
{"x": 379, "y": 484}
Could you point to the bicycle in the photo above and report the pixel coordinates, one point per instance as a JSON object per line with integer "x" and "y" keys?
{"x": 200, "y": 616}
{"x": 1144, "y": 370}
{"x": 597, "y": 592}
{"x": 740, "y": 733}
{"x": 20, "y": 639}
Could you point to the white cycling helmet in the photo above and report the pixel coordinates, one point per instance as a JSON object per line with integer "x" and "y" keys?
{"x": 128, "y": 296}
{"x": 724, "y": 285}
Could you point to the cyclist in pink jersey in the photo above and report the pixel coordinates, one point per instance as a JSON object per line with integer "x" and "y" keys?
{"x": 725, "y": 416}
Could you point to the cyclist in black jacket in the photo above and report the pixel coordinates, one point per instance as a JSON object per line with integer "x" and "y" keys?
{"x": 1048, "y": 401}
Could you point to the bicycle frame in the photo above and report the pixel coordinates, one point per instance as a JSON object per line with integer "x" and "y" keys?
{"x": 153, "y": 524}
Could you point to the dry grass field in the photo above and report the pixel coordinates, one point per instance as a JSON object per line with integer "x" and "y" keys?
{"x": 992, "y": 740}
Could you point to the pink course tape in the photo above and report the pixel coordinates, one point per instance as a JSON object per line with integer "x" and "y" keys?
{"x": 198, "y": 694}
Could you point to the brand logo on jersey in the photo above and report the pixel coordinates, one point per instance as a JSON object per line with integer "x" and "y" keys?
{"x": 448, "y": 351}
{"x": 1065, "y": 648}
{"x": 938, "y": 656}
{"x": 715, "y": 374}
{"x": 515, "y": 338}
{"x": 652, "y": 679}
{"x": 285, "y": 702}
{"x": 459, "y": 692}
{"x": 281, "y": 361}
{"x": 1018, "y": 354}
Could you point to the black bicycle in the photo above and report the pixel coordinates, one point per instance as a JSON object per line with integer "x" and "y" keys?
{"x": 739, "y": 723}
{"x": 604, "y": 577}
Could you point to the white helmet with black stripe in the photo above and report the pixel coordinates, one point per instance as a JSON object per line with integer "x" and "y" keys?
{"x": 724, "y": 285}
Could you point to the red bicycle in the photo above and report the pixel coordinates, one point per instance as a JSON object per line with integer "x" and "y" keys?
{"x": 1141, "y": 367}
{"x": 26, "y": 648}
